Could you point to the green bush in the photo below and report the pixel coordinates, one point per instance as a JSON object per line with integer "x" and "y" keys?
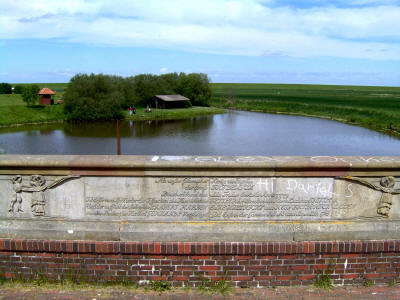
{"x": 102, "y": 97}
{"x": 196, "y": 87}
{"x": 93, "y": 97}
{"x": 159, "y": 286}
{"x": 18, "y": 89}
{"x": 30, "y": 94}
{"x": 145, "y": 86}
{"x": 5, "y": 88}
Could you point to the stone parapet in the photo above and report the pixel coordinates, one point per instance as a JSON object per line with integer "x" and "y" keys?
{"x": 199, "y": 198}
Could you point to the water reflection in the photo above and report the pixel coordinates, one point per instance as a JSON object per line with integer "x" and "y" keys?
{"x": 233, "y": 133}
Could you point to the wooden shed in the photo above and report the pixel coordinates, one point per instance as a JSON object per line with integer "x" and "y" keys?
{"x": 169, "y": 101}
{"x": 46, "y": 96}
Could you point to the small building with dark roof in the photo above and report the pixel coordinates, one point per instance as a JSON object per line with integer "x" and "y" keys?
{"x": 170, "y": 101}
{"x": 45, "y": 96}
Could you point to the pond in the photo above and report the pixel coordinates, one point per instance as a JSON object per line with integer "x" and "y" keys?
{"x": 233, "y": 133}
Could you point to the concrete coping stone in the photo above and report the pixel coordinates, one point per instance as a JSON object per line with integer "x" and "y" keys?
{"x": 184, "y": 165}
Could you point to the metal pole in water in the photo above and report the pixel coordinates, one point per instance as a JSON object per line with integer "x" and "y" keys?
{"x": 118, "y": 139}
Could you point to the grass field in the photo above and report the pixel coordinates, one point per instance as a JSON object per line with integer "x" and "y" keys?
{"x": 172, "y": 114}
{"x": 59, "y": 88}
{"x": 14, "y": 111}
{"x": 377, "y": 108}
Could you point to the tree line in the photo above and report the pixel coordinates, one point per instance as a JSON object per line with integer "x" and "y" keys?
{"x": 103, "y": 97}
{"x": 29, "y": 92}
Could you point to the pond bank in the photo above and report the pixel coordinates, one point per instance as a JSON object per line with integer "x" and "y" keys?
{"x": 371, "y": 107}
{"x": 53, "y": 116}
{"x": 382, "y": 125}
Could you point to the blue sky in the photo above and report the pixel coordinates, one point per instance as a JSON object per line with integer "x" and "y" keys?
{"x": 319, "y": 42}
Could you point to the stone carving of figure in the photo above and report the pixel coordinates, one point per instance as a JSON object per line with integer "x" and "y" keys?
{"x": 37, "y": 187}
{"x": 17, "y": 197}
{"x": 38, "y": 201}
{"x": 386, "y": 186}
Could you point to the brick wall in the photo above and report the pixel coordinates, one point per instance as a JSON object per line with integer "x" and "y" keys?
{"x": 242, "y": 264}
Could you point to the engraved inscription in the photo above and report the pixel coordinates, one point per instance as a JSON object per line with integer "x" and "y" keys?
{"x": 199, "y": 198}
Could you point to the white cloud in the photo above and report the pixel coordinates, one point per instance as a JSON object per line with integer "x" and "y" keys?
{"x": 163, "y": 70}
{"x": 247, "y": 27}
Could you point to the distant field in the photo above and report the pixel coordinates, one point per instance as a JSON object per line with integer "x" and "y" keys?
{"x": 373, "y": 107}
{"x": 59, "y": 88}
{"x": 14, "y": 111}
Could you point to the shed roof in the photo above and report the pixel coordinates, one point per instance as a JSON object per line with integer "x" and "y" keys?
{"x": 46, "y": 91}
{"x": 172, "y": 97}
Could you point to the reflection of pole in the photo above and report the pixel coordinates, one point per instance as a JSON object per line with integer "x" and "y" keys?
{"x": 118, "y": 139}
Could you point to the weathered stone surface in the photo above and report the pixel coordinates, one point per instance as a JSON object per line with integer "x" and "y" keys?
{"x": 97, "y": 201}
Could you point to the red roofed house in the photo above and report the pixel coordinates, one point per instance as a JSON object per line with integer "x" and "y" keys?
{"x": 45, "y": 96}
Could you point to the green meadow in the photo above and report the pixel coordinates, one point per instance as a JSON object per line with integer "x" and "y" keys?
{"x": 14, "y": 111}
{"x": 373, "y": 107}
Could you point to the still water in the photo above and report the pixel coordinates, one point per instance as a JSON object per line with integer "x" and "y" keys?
{"x": 233, "y": 133}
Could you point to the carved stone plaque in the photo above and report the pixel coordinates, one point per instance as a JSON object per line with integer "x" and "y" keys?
{"x": 199, "y": 198}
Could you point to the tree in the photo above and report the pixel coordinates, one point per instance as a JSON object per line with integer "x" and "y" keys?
{"x": 5, "y": 88}
{"x": 93, "y": 97}
{"x": 30, "y": 94}
{"x": 145, "y": 87}
{"x": 196, "y": 87}
{"x": 169, "y": 82}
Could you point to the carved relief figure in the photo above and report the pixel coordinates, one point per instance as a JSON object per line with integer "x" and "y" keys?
{"x": 37, "y": 187}
{"x": 38, "y": 201}
{"x": 386, "y": 186}
{"x": 17, "y": 197}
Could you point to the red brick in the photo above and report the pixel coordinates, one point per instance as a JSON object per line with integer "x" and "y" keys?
{"x": 256, "y": 267}
{"x": 97, "y": 267}
{"x": 306, "y": 277}
{"x": 9, "y": 275}
{"x": 243, "y": 257}
{"x": 157, "y": 247}
{"x": 372, "y": 275}
{"x": 209, "y": 268}
{"x": 285, "y": 277}
{"x": 187, "y": 248}
{"x": 288, "y": 257}
{"x": 276, "y": 268}
{"x": 299, "y": 267}
{"x": 265, "y": 277}
{"x": 319, "y": 267}
{"x": 200, "y": 257}
{"x": 348, "y": 276}
{"x": 269, "y": 257}
{"x": 47, "y": 254}
{"x": 180, "y": 278}
{"x": 350, "y": 255}
{"x": 186, "y": 268}
{"x": 241, "y": 278}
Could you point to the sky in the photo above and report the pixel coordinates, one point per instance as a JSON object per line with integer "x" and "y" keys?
{"x": 350, "y": 42}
